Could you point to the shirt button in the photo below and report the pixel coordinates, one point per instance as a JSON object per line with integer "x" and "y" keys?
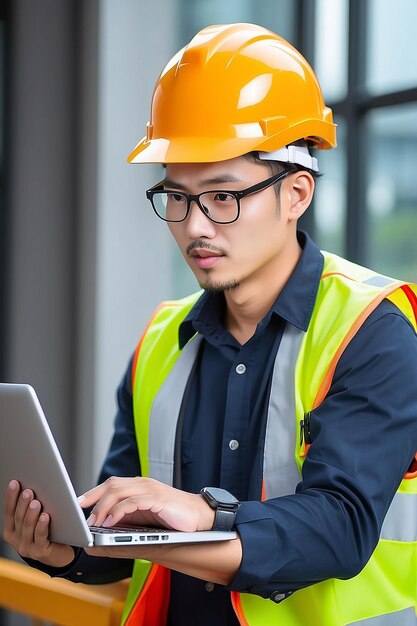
{"x": 209, "y": 587}
{"x": 278, "y": 597}
{"x": 233, "y": 444}
{"x": 240, "y": 369}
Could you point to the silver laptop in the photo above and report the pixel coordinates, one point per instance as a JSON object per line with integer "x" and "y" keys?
{"x": 29, "y": 454}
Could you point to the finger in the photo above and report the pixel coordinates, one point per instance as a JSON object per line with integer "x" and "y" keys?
{"x": 163, "y": 505}
{"x": 113, "y": 508}
{"x": 90, "y": 497}
{"x": 127, "y": 507}
{"x": 140, "y": 518}
{"x": 96, "y": 493}
{"x": 12, "y": 496}
{"x": 29, "y": 525}
{"x": 117, "y": 490}
{"x": 26, "y": 497}
{"x": 41, "y": 533}
{"x": 55, "y": 554}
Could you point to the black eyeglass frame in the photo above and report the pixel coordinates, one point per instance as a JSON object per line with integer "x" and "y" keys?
{"x": 157, "y": 189}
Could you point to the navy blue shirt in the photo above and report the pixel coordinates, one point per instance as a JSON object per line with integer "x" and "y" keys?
{"x": 364, "y": 438}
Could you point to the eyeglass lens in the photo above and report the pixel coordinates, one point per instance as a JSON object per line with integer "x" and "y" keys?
{"x": 220, "y": 206}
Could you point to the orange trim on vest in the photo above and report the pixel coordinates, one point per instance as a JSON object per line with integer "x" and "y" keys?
{"x": 412, "y": 470}
{"x": 337, "y": 274}
{"x": 327, "y": 380}
{"x": 151, "y": 607}
{"x": 412, "y": 298}
{"x": 238, "y": 609}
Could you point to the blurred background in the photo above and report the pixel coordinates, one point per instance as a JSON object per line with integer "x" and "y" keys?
{"x": 83, "y": 260}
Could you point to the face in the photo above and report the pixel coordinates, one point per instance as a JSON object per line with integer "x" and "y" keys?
{"x": 229, "y": 256}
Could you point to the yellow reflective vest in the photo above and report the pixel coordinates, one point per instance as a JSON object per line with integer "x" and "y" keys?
{"x": 384, "y": 593}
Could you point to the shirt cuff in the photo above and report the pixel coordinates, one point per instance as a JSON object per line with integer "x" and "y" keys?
{"x": 260, "y": 553}
{"x": 54, "y": 572}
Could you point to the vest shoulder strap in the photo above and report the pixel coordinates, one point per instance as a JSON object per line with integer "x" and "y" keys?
{"x": 155, "y": 356}
{"x": 347, "y": 295}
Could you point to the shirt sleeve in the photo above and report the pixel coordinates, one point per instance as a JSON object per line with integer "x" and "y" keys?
{"x": 122, "y": 460}
{"x": 364, "y": 436}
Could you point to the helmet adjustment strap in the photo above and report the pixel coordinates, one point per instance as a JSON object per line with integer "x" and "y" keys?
{"x": 298, "y": 155}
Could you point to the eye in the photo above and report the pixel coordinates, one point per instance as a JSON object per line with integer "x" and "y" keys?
{"x": 174, "y": 197}
{"x": 223, "y": 196}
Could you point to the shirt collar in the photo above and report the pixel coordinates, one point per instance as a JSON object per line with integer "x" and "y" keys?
{"x": 294, "y": 303}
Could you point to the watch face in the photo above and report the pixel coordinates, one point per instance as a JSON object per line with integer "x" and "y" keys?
{"x": 220, "y": 497}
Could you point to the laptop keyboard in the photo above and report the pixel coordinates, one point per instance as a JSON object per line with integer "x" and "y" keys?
{"x": 127, "y": 529}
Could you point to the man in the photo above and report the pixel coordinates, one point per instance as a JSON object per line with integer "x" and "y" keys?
{"x": 289, "y": 382}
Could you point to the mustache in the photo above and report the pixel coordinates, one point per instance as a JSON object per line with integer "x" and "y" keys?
{"x": 200, "y": 243}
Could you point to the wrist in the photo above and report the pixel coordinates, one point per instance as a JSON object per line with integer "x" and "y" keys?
{"x": 207, "y": 515}
{"x": 224, "y": 506}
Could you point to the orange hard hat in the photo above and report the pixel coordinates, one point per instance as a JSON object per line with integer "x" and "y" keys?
{"x": 233, "y": 89}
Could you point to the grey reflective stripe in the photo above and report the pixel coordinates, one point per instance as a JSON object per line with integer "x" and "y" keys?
{"x": 400, "y": 520}
{"x": 379, "y": 281}
{"x": 164, "y": 414}
{"x": 405, "y": 617}
{"x": 281, "y": 474}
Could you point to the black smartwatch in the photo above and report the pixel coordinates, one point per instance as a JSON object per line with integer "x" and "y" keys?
{"x": 224, "y": 504}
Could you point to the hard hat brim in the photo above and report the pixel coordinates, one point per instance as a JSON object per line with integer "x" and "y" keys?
{"x": 196, "y": 150}
{"x": 209, "y": 150}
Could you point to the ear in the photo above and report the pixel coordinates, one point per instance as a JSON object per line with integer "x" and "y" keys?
{"x": 300, "y": 193}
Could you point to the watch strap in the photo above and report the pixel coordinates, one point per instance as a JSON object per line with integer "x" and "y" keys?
{"x": 224, "y": 520}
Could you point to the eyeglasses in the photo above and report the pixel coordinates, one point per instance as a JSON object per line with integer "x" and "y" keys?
{"x": 218, "y": 205}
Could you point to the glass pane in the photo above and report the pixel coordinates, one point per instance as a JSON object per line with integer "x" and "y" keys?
{"x": 392, "y": 191}
{"x": 330, "y": 195}
{"x": 331, "y": 53}
{"x": 391, "y": 45}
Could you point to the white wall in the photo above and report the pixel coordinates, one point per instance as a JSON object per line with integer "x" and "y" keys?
{"x": 133, "y": 248}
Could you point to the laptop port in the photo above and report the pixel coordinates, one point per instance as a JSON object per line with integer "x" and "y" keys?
{"x": 152, "y": 538}
{"x": 123, "y": 539}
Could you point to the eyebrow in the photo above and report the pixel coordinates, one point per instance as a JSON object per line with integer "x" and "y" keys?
{"x": 216, "y": 180}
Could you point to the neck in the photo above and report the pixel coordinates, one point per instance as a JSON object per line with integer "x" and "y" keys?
{"x": 247, "y": 304}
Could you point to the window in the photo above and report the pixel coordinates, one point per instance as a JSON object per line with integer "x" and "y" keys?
{"x": 364, "y": 54}
{"x": 391, "y": 45}
{"x": 365, "y": 58}
{"x": 391, "y": 190}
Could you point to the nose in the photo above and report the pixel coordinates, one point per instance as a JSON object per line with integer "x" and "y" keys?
{"x": 198, "y": 224}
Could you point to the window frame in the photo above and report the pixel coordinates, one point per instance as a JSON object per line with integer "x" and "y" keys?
{"x": 354, "y": 109}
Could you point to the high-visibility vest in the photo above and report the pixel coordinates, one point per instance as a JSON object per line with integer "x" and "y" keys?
{"x": 384, "y": 592}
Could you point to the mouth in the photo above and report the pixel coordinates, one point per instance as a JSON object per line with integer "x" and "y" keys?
{"x": 204, "y": 258}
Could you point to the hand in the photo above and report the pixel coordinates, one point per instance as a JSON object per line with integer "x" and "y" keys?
{"x": 26, "y": 529}
{"x": 145, "y": 501}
